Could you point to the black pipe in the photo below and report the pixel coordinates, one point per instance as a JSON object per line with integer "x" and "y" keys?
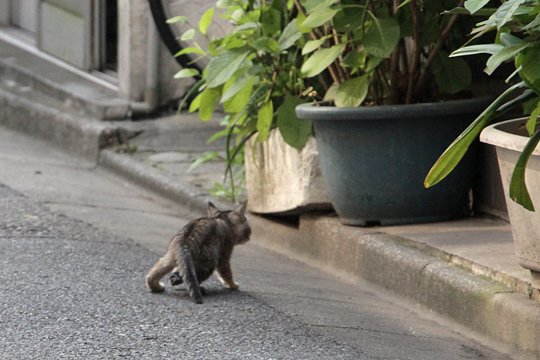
{"x": 169, "y": 38}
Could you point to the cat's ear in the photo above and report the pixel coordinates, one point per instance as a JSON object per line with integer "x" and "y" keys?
{"x": 212, "y": 209}
{"x": 241, "y": 209}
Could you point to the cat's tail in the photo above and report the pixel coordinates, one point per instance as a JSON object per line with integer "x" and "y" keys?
{"x": 190, "y": 275}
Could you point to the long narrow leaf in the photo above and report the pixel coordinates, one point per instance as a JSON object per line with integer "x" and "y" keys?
{"x": 475, "y": 5}
{"x": 455, "y": 152}
{"x": 505, "y": 54}
{"x": 477, "y": 49}
{"x": 533, "y": 119}
{"x": 518, "y": 187}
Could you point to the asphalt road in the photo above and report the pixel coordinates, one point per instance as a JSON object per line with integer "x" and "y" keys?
{"x": 72, "y": 291}
{"x": 75, "y": 245}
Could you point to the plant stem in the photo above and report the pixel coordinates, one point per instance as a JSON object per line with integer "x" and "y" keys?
{"x": 435, "y": 50}
{"x": 394, "y": 73}
{"x": 415, "y": 52}
{"x": 343, "y": 74}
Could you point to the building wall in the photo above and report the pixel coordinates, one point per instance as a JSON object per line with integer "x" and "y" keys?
{"x": 134, "y": 16}
{"x": 133, "y": 41}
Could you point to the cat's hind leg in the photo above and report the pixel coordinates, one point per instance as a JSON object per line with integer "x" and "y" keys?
{"x": 161, "y": 268}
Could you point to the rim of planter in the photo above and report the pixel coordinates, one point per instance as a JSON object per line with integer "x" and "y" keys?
{"x": 507, "y": 134}
{"x": 322, "y": 111}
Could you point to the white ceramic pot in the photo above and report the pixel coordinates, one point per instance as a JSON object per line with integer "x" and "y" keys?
{"x": 509, "y": 138}
{"x": 281, "y": 179}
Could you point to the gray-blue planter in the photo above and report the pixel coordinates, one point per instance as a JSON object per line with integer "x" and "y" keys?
{"x": 374, "y": 160}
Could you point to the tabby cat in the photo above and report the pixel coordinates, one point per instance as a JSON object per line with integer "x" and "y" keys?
{"x": 199, "y": 248}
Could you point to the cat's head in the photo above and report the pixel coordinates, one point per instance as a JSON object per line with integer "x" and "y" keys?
{"x": 237, "y": 218}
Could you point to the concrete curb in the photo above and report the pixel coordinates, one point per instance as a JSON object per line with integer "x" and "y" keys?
{"x": 151, "y": 178}
{"x": 478, "y": 303}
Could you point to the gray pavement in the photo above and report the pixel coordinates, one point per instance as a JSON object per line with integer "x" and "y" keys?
{"x": 77, "y": 240}
{"x": 73, "y": 291}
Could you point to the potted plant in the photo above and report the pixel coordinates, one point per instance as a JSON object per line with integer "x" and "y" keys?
{"x": 253, "y": 74}
{"x": 385, "y": 67}
{"x": 517, "y": 27}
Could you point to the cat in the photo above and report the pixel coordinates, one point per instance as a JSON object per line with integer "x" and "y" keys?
{"x": 202, "y": 246}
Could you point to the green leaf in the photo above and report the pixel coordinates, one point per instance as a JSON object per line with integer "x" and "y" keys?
{"x": 177, "y": 19}
{"x": 504, "y": 54}
{"x": 206, "y": 20}
{"x": 320, "y": 60}
{"x": 203, "y": 158}
{"x": 530, "y": 71}
{"x": 518, "y": 188}
{"x": 455, "y": 152}
{"x": 196, "y": 103}
{"x": 190, "y": 50}
{"x": 474, "y": 5}
{"x": 349, "y": 21}
{"x": 331, "y": 92}
{"x": 352, "y": 92}
{"x": 316, "y": 5}
{"x": 270, "y": 20}
{"x": 319, "y": 17}
{"x": 246, "y": 26}
{"x": 451, "y": 75}
{"x": 404, "y": 3}
{"x": 294, "y": 131}
{"x": 535, "y": 24}
{"x": 188, "y": 35}
{"x": 186, "y": 73}
{"x": 508, "y": 39}
{"x": 209, "y": 100}
{"x": 234, "y": 85}
{"x": 290, "y": 34}
{"x": 382, "y": 37}
{"x": 533, "y": 118}
{"x": 222, "y": 67}
{"x": 477, "y": 49}
{"x": 354, "y": 60}
{"x": 218, "y": 135}
{"x": 505, "y": 12}
{"x": 313, "y": 45}
{"x": 267, "y": 45}
{"x": 264, "y": 120}
{"x": 239, "y": 101}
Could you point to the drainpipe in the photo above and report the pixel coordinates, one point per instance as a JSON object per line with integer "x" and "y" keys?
{"x": 151, "y": 95}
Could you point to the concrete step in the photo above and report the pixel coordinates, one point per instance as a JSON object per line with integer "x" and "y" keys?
{"x": 75, "y": 91}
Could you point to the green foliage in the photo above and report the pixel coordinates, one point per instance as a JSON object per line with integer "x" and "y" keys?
{"x": 382, "y": 52}
{"x": 280, "y": 53}
{"x": 516, "y": 24}
{"x": 253, "y": 71}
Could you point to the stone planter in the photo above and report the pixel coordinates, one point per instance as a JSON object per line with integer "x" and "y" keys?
{"x": 509, "y": 138}
{"x": 374, "y": 160}
{"x": 281, "y": 179}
